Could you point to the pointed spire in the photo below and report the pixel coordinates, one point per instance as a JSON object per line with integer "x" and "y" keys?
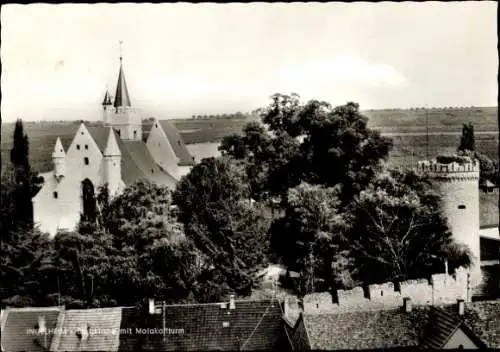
{"x": 58, "y": 150}
{"x": 112, "y": 148}
{"x": 121, "y": 96}
{"x": 107, "y": 99}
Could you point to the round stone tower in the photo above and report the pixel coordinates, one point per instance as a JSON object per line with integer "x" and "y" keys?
{"x": 457, "y": 178}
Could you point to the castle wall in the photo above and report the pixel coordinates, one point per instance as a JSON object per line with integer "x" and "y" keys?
{"x": 441, "y": 289}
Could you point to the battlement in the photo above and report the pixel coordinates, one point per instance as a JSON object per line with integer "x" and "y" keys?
{"x": 452, "y": 170}
{"x": 441, "y": 289}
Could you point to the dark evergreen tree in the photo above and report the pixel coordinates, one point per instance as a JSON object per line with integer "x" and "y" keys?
{"x": 467, "y": 142}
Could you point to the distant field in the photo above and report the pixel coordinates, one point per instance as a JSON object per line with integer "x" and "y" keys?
{"x": 43, "y": 135}
{"x": 440, "y": 120}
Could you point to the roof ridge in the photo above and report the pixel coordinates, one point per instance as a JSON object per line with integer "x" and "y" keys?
{"x": 217, "y": 303}
{"x": 94, "y": 309}
{"x": 34, "y": 309}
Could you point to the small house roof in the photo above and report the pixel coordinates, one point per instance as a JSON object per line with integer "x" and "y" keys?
{"x": 18, "y": 322}
{"x": 252, "y": 325}
{"x": 103, "y": 326}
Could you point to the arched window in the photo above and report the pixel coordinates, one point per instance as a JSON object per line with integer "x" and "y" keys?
{"x": 55, "y": 195}
{"x": 78, "y": 146}
{"x": 86, "y": 146}
{"x": 135, "y": 134}
{"x": 88, "y": 200}
{"x": 86, "y": 160}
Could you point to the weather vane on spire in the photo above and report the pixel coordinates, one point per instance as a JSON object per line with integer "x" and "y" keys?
{"x": 121, "y": 53}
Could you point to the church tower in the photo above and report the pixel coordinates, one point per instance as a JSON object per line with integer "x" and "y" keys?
{"x": 112, "y": 164}
{"x": 59, "y": 160}
{"x": 107, "y": 109}
{"x": 124, "y": 120}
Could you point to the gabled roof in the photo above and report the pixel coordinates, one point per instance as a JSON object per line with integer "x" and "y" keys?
{"x": 17, "y": 333}
{"x": 483, "y": 319}
{"x": 103, "y": 326}
{"x": 252, "y": 325}
{"x": 100, "y": 135}
{"x": 121, "y": 96}
{"x": 489, "y": 184}
{"x": 137, "y": 162}
{"x": 177, "y": 143}
{"x": 442, "y": 325}
{"x": 365, "y": 329}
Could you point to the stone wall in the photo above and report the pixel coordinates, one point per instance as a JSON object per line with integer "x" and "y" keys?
{"x": 442, "y": 288}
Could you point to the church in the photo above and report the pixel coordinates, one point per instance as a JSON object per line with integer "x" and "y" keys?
{"x": 114, "y": 153}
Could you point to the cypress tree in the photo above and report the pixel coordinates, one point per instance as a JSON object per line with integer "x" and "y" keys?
{"x": 23, "y": 192}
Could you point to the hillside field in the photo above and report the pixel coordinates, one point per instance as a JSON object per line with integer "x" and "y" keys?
{"x": 42, "y": 135}
{"x": 406, "y": 128}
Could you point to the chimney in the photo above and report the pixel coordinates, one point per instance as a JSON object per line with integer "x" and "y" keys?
{"x": 151, "y": 306}
{"x": 83, "y": 332}
{"x": 232, "y": 305}
{"x": 407, "y": 304}
{"x": 42, "y": 326}
{"x": 460, "y": 307}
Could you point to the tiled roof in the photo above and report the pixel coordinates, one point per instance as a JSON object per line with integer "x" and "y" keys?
{"x": 252, "y": 325}
{"x": 103, "y": 328}
{"x": 365, "y": 329}
{"x": 442, "y": 327}
{"x": 177, "y": 143}
{"x": 18, "y": 322}
{"x": 100, "y": 135}
{"x": 137, "y": 162}
{"x": 483, "y": 318}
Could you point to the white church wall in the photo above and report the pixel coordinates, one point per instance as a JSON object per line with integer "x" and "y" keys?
{"x": 64, "y": 211}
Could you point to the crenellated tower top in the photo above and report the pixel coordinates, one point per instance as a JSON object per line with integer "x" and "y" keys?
{"x": 450, "y": 168}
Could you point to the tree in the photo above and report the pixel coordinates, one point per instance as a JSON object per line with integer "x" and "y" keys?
{"x": 135, "y": 249}
{"x": 489, "y": 168}
{"x": 467, "y": 142}
{"x": 26, "y": 183}
{"x": 213, "y": 205}
{"x": 397, "y": 231}
{"x": 309, "y": 238}
{"x": 304, "y": 143}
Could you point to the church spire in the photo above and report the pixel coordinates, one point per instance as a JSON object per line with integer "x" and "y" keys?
{"x": 121, "y": 96}
{"x": 107, "y": 99}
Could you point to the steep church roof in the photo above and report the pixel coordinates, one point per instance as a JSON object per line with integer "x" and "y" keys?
{"x": 177, "y": 143}
{"x": 136, "y": 162}
{"x": 121, "y": 96}
{"x": 107, "y": 99}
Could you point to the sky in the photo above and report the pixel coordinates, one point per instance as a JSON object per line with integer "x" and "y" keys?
{"x": 188, "y": 59}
